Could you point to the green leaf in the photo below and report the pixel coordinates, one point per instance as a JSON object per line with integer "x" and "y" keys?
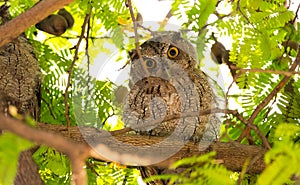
{"x": 278, "y": 170}
{"x": 10, "y": 148}
{"x": 200, "y": 12}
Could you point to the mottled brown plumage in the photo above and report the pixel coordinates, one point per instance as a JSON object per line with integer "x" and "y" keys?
{"x": 20, "y": 77}
{"x": 166, "y": 83}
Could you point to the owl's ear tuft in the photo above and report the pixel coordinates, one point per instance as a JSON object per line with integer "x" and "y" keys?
{"x": 177, "y": 35}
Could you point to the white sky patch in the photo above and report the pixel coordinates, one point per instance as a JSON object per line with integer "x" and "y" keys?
{"x": 113, "y": 71}
{"x": 153, "y": 10}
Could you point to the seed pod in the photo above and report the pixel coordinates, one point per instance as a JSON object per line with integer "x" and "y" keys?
{"x": 69, "y": 18}
{"x": 53, "y": 24}
{"x": 219, "y": 53}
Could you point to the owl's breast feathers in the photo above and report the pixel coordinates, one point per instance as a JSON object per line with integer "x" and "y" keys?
{"x": 154, "y": 98}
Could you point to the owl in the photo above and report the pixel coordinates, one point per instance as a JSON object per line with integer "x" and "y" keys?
{"x": 20, "y": 77}
{"x": 167, "y": 92}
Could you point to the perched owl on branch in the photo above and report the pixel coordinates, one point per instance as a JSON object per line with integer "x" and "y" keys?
{"x": 20, "y": 77}
{"x": 167, "y": 93}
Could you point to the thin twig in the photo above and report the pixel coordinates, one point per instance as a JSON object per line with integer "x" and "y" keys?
{"x": 230, "y": 86}
{"x": 49, "y": 108}
{"x": 279, "y": 72}
{"x": 87, "y": 49}
{"x": 296, "y": 14}
{"x": 250, "y": 123}
{"x": 168, "y": 16}
{"x": 121, "y": 131}
{"x": 71, "y": 68}
{"x": 276, "y": 89}
{"x": 147, "y": 29}
{"x": 166, "y": 19}
{"x": 137, "y": 45}
{"x": 136, "y": 37}
{"x": 212, "y": 23}
{"x": 238, "y": 8}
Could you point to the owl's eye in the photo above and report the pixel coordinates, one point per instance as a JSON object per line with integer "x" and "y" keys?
{"x": 173, "y": 52}
{"x": 150, "y": 63}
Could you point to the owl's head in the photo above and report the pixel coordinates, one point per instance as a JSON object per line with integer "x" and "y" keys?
{"x": 162, "y": 50}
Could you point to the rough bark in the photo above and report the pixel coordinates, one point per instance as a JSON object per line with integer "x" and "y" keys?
{"x": 73, "y": 143}
{"x": 28, "y": 171}
{"x": 232, "y": 154}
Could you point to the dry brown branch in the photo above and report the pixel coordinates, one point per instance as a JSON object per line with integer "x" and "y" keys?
{"x": 279, "y": 72}
{"x": 75, "y": 151}
{"x": 232, "y": 154}
{"x": 75, "y": 147}
{"x": 9, "y": 30}
{"x": 296, "y": 14}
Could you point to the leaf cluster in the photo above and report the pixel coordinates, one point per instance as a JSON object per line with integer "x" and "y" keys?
{"x": 259, "y": 30}
{"x": 201, "y": 170}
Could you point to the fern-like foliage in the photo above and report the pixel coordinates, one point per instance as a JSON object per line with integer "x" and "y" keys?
{"x": 278, "y": 170}
{"x": 54, "y": 166}
{"x": 201, "y": 170}
{"x": 92, "y": 100}
{"x": 111, "y": 173}
{"x": 258, "y": 30}
{"x": 54, "y": 69}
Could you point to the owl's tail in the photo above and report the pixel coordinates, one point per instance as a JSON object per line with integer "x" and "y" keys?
{"x": 147, "y": 172}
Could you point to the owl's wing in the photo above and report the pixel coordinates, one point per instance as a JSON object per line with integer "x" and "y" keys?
{"x": 211, "y": 97}
{"x": 209, "y": 85}
{"x": 216, "y": 88}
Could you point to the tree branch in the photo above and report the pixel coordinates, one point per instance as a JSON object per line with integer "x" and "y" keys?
{"x": 75, "y": 151}
{"x": 41, "y": 10}
{"x": 72, "y": 143}
{"x": 279, "y": 72}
